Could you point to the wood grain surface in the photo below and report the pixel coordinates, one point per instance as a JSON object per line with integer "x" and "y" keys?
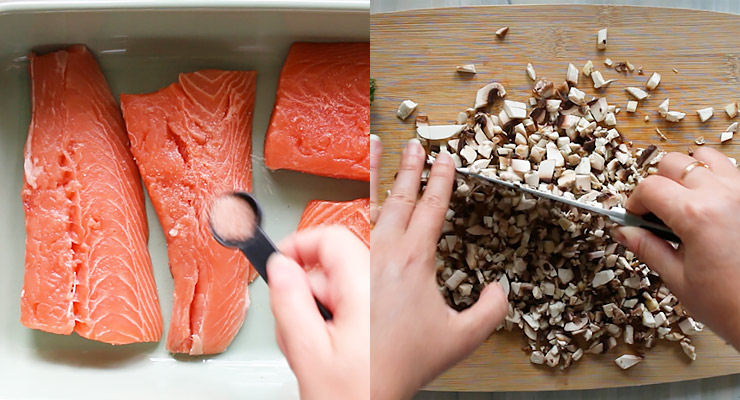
{"x": 413, "y": 56}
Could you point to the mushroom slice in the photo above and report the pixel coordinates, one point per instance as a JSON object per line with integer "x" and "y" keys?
{"x": 487, "y": 94}
{"x": 627, "y": 360}
{"x": 501, "y": 32}
{"x": 438, "y": 132}
{"x": 637, "y": 93}
{"x": 530, "y": 72}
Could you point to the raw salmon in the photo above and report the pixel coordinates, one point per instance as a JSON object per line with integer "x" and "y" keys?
{"x": 192, "y": 142}
{"x": 87, "y": 265}
{"x": 321, "y": 120}
{"x": 355, "y": 215}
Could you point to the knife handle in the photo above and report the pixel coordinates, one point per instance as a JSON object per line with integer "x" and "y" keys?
{"x": 649, "y": 222}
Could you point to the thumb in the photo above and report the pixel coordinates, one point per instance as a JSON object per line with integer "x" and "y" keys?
{"x": 302, "y": 329}
{"x": 478, "y": 322}
{"x": 658, "y": 254}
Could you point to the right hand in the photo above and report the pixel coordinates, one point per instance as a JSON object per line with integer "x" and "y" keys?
{"x": 703, "y": 209}
{"x": 331, "y": 359}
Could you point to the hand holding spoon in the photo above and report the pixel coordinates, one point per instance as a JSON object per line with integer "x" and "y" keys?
{"x": 235, "y": 221}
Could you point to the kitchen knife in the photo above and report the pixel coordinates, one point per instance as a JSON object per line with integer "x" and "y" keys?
{"x": 617, "y": 214}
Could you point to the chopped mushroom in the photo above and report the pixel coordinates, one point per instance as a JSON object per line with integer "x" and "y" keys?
{"x": 576, "y": 96}
{"x": 705, "y": 113}
{"x": 688, "y": 349}
{"x": 663, "y": 107}
{"x": 515, "y": 109}
{"x": 608, "y": 62}
{"x": 699, "y": 140}
{"x": 487, "y": 94}
{"x": 572, "y": 75}
{"x": 610, "y": 119}
{"x": 571, "y": 289}
{"x": 599, "y": 109}
{"x": 501, "y": 32}
{"x": 602, "y": 277}
{"x": 731, "y": 109}
{"x": 405, "y": 109}
{"x": 653, "y": 81}
{"x": 627, "y": 360}
{"x": 631, "y": 106}
{"x": 588, "y": 68}
{"x": 674, "y": 116}
{"x": 601, "y": 39}
{"x": 599, "y": 81}
{"x": 725, "y": 137}
{"x": 543, "y": 88}
{"x": 637, "y": 93}
{"x": 466, "y": 68}
{"x": 530, "y": 72}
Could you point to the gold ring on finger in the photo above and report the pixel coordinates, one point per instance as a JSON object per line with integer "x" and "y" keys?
{"x": 691, "y": 167}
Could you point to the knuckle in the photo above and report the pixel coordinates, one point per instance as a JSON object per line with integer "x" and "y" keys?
{"x": 434, "y": 200}
{"x": 402, "y": 198}
{"x": 697, "y": 211}
{"x": 411, "y": 162}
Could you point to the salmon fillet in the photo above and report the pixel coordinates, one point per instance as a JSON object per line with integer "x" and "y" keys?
{"x": 354, "y": 215}
{"x": 321, "y": 120}
{"x": 192, "y": 143}
{"x": 87, "y": 265}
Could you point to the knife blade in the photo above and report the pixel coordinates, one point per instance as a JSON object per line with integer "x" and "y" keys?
{"x": 617, "y": 214}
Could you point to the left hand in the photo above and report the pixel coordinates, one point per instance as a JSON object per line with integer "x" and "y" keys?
{"x": 415, "y": 335}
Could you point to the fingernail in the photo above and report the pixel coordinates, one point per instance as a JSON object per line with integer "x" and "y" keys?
{"x": 443, "y": 158}
{"x": 618, "y": 236}
{"x": 375, "y": 144}
{"x": 275, "y": 267}
{"x": 625, "y": 234}
{"x": 413, "y": 147}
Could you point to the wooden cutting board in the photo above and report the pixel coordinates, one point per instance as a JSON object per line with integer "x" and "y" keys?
{"x": 413, "y": 56}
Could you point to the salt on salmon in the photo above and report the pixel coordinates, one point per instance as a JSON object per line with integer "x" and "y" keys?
{"x": 87, "y": 265}
{"x": 192, "y": 143}
{"x": 321, "y": 120}
{"x": 354, "y": 215}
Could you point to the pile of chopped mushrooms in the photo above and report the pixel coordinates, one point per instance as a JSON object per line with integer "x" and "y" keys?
{"x": 571, "y": 288}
